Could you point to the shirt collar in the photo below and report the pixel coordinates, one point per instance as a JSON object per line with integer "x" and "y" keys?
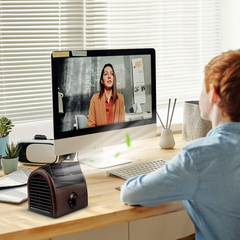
{"x": 106, "y": 96}
{"x": 233, "y": 127}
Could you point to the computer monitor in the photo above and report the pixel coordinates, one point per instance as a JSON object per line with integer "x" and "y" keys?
{"x": 84, "y": 129}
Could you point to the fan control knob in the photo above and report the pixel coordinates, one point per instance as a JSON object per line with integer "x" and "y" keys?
{"x": 73, "y": 200}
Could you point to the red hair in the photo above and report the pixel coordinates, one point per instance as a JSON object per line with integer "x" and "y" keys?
{"x": 223, "y": 72}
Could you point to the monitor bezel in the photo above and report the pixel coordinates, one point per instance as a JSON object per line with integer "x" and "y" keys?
{"x": 101, "y": 53}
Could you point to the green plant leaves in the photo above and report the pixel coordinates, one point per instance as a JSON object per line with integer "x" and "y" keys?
{"x": 5, "y": 127}
{"x": 12, "y": 151}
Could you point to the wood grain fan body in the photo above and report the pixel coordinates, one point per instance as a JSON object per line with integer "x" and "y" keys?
{"x": 57, "y": 189}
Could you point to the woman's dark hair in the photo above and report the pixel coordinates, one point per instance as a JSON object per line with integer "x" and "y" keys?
{"x": 114, "y": 87}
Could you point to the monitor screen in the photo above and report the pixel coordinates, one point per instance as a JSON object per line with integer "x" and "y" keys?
{"x": 102, "y": 98}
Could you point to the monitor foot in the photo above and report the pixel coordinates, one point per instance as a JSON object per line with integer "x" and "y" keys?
{"x": 102, "y": 160}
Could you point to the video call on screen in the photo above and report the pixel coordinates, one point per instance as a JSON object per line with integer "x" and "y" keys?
{"x": 78, "y": 80}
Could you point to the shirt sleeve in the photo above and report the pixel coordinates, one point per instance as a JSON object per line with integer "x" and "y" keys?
{"x": 177, "y": 180}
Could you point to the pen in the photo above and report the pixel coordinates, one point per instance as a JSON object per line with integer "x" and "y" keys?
{"x": 172, "y": 112}
{"x": 160, "y": 120}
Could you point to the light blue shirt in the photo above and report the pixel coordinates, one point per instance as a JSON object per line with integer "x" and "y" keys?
{"x": 206, "y": 176}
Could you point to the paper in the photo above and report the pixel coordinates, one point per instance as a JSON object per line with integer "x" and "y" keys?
{"x": 14, "y": 195}
{"x": 17, "y": 178}
{"x": 138, "y": 81}
{"x": 138, "y": 64}
{"x": 13, "y": 187}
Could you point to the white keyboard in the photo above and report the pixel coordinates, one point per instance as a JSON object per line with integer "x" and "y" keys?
{"x": 137, "y": 169}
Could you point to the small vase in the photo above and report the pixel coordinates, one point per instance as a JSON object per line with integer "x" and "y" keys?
{"x": 166, "y": 138}
{"x": 9, "y": 165}
{"x": 3, "y": 142}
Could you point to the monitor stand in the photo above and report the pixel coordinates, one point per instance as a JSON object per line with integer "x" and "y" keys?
{"x": 98, "y": 158}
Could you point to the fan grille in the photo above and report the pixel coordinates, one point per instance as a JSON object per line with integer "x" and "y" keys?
{"x": 39, "y": 195}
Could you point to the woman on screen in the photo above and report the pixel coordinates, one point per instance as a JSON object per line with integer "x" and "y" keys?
{"x": 107, "y": 106}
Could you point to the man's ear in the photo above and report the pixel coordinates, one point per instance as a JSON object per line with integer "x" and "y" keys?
{"x": 214, "y": 97}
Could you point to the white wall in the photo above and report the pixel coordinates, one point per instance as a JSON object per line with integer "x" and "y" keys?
{"x": 230, "y": 21}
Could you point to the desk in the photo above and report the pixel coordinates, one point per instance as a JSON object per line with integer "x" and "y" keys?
{"x": 105, "y": 210}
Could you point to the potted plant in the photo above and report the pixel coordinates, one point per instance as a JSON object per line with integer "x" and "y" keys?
{"x": 10, "y": 160}
{"x": 5, "y": 128}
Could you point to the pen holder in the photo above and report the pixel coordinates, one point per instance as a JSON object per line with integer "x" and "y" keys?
{"x": 166, "y": 138}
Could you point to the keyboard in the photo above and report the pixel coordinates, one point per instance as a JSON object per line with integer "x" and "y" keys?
{"x": 137, "y": 169}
